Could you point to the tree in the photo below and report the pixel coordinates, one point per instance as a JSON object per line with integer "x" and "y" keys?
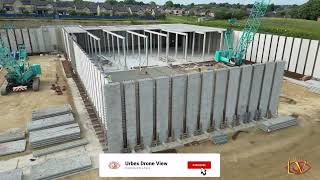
{"x": 169, "y": 4}
{"x": 153, "y": 3}
{"x": 131, "y": 2}
{"x": 192, "y": 5}
{"x": 77, "y": 1}
{"x": 112, "y": 2}
{"x": 271, "y": 7}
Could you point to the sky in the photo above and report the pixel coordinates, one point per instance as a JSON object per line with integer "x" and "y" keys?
{"x": 278, "y": 2}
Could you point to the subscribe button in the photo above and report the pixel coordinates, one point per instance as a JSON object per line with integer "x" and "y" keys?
{"x": 199, "y": 164}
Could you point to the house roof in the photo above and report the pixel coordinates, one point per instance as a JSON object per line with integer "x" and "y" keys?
{"x": 64, "y": 4}
{"x": 120, "y": 8}
{"x": 8, "y": 1}
{"x": 41, "y": 3}
{"x": 106, "y": 6}
{"x": 136, "y": 8}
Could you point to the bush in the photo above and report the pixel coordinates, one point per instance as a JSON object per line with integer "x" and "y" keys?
{"x": 3, "y": 11}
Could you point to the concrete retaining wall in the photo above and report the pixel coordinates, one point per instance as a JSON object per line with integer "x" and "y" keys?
{"x": 36, "y": 40}
{"x": 201, "y": 102}
{"x": 302, "y": 55}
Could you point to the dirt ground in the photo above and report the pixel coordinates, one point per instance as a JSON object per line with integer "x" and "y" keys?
{"x": 16, "y": 108}
{"x": 257, "y": 155}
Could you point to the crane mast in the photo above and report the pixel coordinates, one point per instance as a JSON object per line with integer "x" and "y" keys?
{"x": 235, "y": 55}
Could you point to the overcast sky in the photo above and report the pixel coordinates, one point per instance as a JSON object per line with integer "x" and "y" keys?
{"x": 280, "y": 2}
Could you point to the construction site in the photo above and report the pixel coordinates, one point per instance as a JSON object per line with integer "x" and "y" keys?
{"x": 71, "y": 92}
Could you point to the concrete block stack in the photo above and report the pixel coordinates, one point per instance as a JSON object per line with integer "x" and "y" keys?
{"x": 60, "y": 147}
{"x": 219, "y": 137}
{"x": 58, "y": 167}
{"x": 276, "y": 123}
{"x": 51, "y": 122}
{"x": 51, "y": 112}
{"x": 12, "y": 141}
{"x": 15, "y": 174}
{"x": 56, "y": 135}
{"x": 52, "y": 126}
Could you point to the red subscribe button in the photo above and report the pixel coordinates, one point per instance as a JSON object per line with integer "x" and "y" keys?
{"x": 199, "y": 164}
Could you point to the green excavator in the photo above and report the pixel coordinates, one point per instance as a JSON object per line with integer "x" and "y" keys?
{"x": 234, "y": 55}
{"x": 20, "y": 74}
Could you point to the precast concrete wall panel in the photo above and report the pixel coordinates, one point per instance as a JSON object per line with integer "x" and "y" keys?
{"x": 179, "y": 85}
{"x": 40, "y": 38}
{"x": 232, "y": 95}
{"x": 311, "y": 57}
{"x": 281, "y": 48}
{"x": 130, "y": 104}
{"x": 316, "y": 72}
{"x": 302, "y": 55}
{"x": 244, "y": 91}
{"x": 26, "y": 40}
{"x": 220, "y": 96}
{"x": 266, "y": 88}
{"x": 255, "y": 89}
{"x": 114, "y": 117}
{"x": 193, "y": 102}
{"x": 162, "y": 107}
{"x": 146, "y": 110}
{"x": 255, "y": 48}
{"x": 249, "y": 50}
{"x": 287, "y": 51}
{"x": 18, "y": 36}
{"x": 294, "y": 55}
{"x": 276, "y": 87}
{"x": 273, "y": 49}
{"x": 266, "y": 49}
{"x": 12, "y": 40}
{"x": 34, "y": 41}
{"x": 261, "y": 47}
{"x": 4, "y": 37}
{"x": 206, "y": 110}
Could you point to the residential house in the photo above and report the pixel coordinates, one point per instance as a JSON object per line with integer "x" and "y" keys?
{"x": 65, "y": 7}
{"x": 17, "y": 6}
{"x": 211, "y": 13}
{"x": 43, "y": 7}
{"x": 104, "y": 9}
{"x": 119, "y": 10}
{"x": 178, "y": 11}
{"x": 137, "y": 10}
{"x": 86, "y": 8}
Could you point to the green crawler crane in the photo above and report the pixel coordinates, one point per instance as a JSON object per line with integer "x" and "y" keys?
{"x": 234, "y": 56}
{"x": 19, "y": 72}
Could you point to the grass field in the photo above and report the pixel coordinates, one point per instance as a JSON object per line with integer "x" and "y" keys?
{"x": 280, "y": 26}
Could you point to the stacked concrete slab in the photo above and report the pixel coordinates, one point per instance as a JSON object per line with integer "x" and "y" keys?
{"x": 12, "y": 147}
{"x": 58, "y": 167}
{"x": 12, "y": 141}
{"x": 60, "y": 147}
{"x": 12, "y": 135}
{"x": 51, "y": 122}
{"x": 51, "y": 112}
{"x": 56, "y": 135}
{"x": 15, "y": 174}
{"x": 185, "y": 105}
{"x": 278, "y": 123}
{"x": 219, "y": 137}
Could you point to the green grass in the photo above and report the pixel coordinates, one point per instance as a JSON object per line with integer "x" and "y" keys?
{"x": 280, "y": 26}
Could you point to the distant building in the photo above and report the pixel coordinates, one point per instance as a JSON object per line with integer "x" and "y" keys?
{"x": 319, "y": 19}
